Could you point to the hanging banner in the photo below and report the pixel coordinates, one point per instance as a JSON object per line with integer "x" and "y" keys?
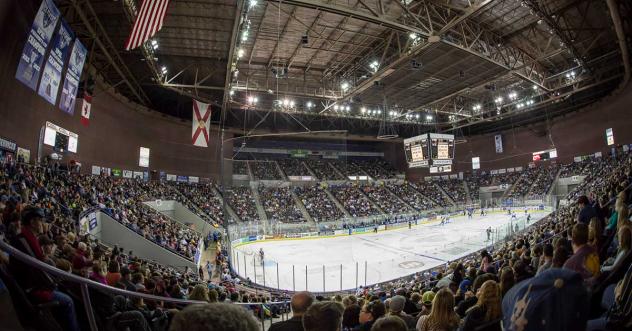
{"x": 71, "y": 82}
{"x": 51, "y": 78}
{"x": 41, "y": 32}
{"x": 498, "y": 139}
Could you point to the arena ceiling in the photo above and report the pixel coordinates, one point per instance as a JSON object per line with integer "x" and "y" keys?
{"x": 368, "y": 66}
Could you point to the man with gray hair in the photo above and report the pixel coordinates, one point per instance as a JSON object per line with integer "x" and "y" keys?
{"x": 300, "y": 303}
{"x": 323, "y": 316}
{"x": 214, "y": 316}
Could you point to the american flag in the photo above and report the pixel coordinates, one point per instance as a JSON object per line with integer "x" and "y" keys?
{"x": 148, "y": 22}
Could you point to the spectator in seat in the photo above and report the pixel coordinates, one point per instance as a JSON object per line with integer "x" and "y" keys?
{"x": 585, "y": 260}
{"x": 624, "y": 236}
{"x": 126, "y": 279}
{"x": 389, "y": 323}
{"x": 300, "y": 303}
{"x": 199, "y": 293}
{"x": 369, "y": 314}
{"x": 38, "y": 284}
{"x": 586, "y": 210}
{"x": 397, "y": 309}
{"x": 323, "y": 316}
{"x": 216, "y": 317}
{"x": 351, "y": 316}
{"x": 114, "y": 273}
{"x": 547, "y": 261}
{"x": 487, "y": 309}
{"x": 556, "y": 299}
{"x": 442, "y": 316}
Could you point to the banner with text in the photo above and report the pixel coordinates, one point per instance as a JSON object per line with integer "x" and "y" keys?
{"x": 30, "y": 64}
{"x": 73, "y": 74}
{"x": 51, "y": 78}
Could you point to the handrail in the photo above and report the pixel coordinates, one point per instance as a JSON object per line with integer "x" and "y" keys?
{"x": 85, "y": 283}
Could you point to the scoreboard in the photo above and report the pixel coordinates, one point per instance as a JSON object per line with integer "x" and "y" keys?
{"x": 429, "y": 149}
{"x": 441, "y": 148}
{"x": 416, "y": 150}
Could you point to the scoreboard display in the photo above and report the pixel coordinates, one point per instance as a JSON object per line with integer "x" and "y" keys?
{"x": 416, "y": 151}
{"x": 429, "y": 149}
{"x": 441, "y": 148}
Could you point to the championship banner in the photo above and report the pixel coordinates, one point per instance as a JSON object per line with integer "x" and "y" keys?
{"x": 41, "y": 32}
{"x": 51, "y": 78}
{"x": 201, "y": 121}
{"x": 499, "y": 143}
{"x": 71, "y": 82}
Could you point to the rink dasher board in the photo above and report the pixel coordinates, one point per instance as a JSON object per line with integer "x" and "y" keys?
{"x": 341, "y": 233}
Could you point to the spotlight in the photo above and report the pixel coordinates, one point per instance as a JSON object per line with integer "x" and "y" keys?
{"x": 347, "y": 108}
{"x": 336, "y": 107}
{"x": 417, "y": 116}
{"x": 164, "y": 69}
{"x": 252, "y": 3}
{"x": 413, "y": 36}
{"x": 286, "y": 102}
{"x": 292, "y": 103}
{"x": 499, "y": 100}
{"x": 231, "y": 92}
{"x": 344, "y": 86}
{"x": 428, "y": 117}
{"x": 535, "y": 87}
{"x": 363, "y": 110}
{"x": 154, "y": 44}
{"x": 513, "y": 96}
{"x": 240, "y": 53}
{"x": 310, "y": 104}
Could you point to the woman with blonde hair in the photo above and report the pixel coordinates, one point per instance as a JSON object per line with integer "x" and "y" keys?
{"x": 486, "y": 313}
{"x": 442, "y": 316}
{"x": 625, "y": 238}
{"x": 595, "y": 231}
{"x": 199, "y": 293}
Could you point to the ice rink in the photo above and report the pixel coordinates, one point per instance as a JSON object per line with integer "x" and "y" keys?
{"x": 346, "y": 262}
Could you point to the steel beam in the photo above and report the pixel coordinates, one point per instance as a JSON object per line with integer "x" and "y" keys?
{"x": 106, "y": 46}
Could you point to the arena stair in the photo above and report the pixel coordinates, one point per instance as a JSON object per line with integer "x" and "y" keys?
{"x": 260, "y": 211}
{"x": 445, "y": 194}
{"x": 337, "y": 203}
{"x": 250, "y": 174}
{"x": 512, "y": 187}
{"x": 311, "y": 172}
{"x": 301, "y": 206}
{"x": 551, "y": 189}
{"x": 399, "y": 198}
{"x": 468, "y": 197}
{"x": 336, "y": 170}
{"x": 228, "y": 209}
{"x": 375, "y": 204}
{"x": 281, "y": 172}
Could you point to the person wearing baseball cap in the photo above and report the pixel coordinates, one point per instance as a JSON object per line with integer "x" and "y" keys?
{"x": 397, "y": 309}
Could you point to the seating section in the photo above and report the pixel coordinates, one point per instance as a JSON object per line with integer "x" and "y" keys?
{"x": 205, "y": 198}
{"x": 385, "y": 200}
{"x": 378, "y": 169}
{"x": 408, "y": 193}
{"x": 293, "y": 167}
{"x": 323, "y": 170}
{"x": 454, "y": 188}
{"x": 349, "y": 167}
{"x": 240, "y": 167}
{"x": 243, "y": 203}
{"x": 279, "y": 205}
{"x": 354, "y": 202}
{"x": 524, "y": 182}
{"x": 433, "y": 192}
{"x": 265, "y": 169}
{"x": 543, "y": 183}
{"x": 318, "y": 204}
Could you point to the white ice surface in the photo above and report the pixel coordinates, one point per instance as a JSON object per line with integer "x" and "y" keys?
{"x": 387, "y": 254}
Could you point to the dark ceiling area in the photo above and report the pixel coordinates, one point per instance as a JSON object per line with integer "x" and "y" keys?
{"x": 369, "y": 67}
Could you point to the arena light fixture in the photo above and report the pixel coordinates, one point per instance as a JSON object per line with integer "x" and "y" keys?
{"x": 344, "y": 86}
{"x": 520, "y": 105}
{"x": 413, "y": 36}
{"x": 417, "y": 116}
{"x": 477, "y": 107}
{"x": 252, "y": 100}
{"x": 535, "y": 87}
{"x": 231, "y": 92}
{"x": 286, "y": 102}
{"x": 291, "y": 103}
{"x": 309, "y": 104}
{"x": 363, "y": 110}
{"x": 428, "y": 117}
{"x": 336, "y": 107}
{"x": 163, "y": 69}
{"x": 252, "y": 3}
{"x": 154, "y": 44}
{"x": 498, "y": 100}
{"x": 240, "y": 53}
{"x": 513, "y": 95}
{"x": 374, "y": 65}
